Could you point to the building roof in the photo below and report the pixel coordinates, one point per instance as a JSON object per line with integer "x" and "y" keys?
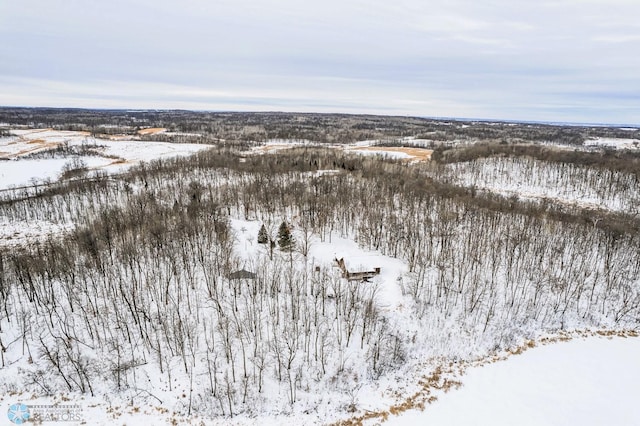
{"x": 360, "y": 263}
{"x": 242, "y": 274}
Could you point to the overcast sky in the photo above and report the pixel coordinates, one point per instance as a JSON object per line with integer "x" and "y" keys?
{"x": 561, "y": 60}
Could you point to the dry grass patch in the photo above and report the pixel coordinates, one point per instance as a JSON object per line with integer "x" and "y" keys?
{"x": 416, "y": 154}
{"x": 41, "y": 146}
{"x": 438, "y": 380}
{"x": 276, "y": 147}
{"x": 151, "y": 131}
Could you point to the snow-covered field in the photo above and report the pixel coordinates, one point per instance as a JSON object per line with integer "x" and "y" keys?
{"x": 409, "y": 148}
{"x": 416, "y": 152}
{"x": 273, "y": 145}
{"x": 617, "y": 143}
{"x": 113, "y": 155}
{"x": 29, "y": 141}
{"x": 408, "y": 140}
{"x": 23, "y": 172}
{"x": 385, "y": 152}
{"x": 586, "y": 382}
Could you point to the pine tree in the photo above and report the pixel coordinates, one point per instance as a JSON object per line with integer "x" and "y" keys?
{"x": 263, "y": 237}
{"x": 285, "y": 239}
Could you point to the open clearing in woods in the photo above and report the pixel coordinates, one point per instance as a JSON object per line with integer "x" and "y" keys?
{"x": 413, "y": 154}
{"x": 152, "y": 131}
{"x": 406, "y": 153}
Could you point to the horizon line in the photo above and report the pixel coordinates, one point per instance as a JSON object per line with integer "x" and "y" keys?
{"x": 426, "y": 117}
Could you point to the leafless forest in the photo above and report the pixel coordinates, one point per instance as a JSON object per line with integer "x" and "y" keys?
{"x": 138, "y": 294}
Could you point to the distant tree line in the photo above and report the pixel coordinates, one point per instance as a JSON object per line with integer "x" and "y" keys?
{"x": 318, "y": 128}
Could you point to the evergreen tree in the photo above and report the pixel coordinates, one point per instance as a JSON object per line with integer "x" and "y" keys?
{"x": 263, "y": 237}
{"x": 285, "y": 239}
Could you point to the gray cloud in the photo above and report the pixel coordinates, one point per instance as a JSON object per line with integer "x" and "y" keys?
{"x": 551, "y": 60}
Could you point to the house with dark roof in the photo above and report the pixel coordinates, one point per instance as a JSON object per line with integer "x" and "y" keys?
{"x": 242, "y": 274}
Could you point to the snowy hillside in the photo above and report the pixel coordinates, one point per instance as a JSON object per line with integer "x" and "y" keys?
{"x": 569, "y": 184}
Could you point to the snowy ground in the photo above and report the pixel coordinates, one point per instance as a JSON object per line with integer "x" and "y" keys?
{"x": 532, "y": 179}
{"x": 324, "y": 253}
{"x": 18, "y": 172}
{"x": 408, "y": 140}
{"x": 273, "y": 145}
{"x": 25, "y": 172}
{"x": 146, "y": 409}
{"x": 586, "y": 381}
{"x": 389, "y": 296}
{"x": 416, "y": 152}
{"x": 18, "y": 233}
{"x": 617, "y": 143}
{"x": 583, "y": 382}
{"x": 114, "y": 155}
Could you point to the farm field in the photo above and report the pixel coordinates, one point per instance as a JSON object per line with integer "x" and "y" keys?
{"x": 35, "y": 159}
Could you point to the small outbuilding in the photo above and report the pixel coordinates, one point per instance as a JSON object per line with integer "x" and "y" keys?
{"x": 242, "y": 274}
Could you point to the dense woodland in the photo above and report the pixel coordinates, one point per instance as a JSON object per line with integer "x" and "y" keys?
{"x": 140, "y": 287}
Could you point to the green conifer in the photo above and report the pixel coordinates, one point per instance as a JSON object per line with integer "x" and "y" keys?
{"x": 285, "y": 239}
{"x": 263, "y": 237}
